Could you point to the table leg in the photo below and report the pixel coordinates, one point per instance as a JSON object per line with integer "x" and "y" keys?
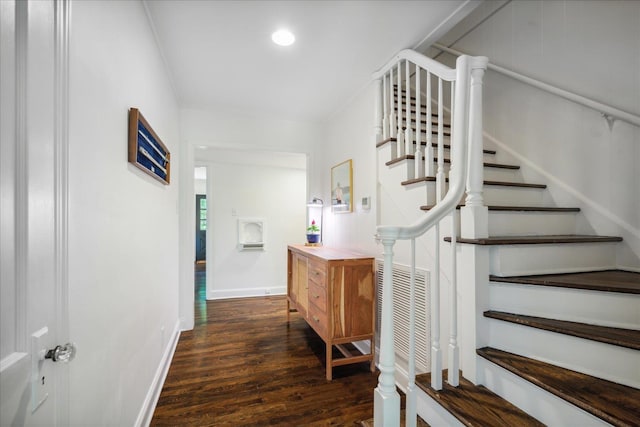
{"x": 329, "y": 361}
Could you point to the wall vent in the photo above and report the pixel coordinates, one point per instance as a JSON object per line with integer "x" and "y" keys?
{"x": 401, "y": 278}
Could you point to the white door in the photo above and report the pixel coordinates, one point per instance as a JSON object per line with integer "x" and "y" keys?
{"x": 33, "y": 308}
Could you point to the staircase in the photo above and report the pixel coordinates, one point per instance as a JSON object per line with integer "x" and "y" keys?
{"x": 557, "y": 328}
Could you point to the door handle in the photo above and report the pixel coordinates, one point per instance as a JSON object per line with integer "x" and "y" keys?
{"x": 62, "y": 353}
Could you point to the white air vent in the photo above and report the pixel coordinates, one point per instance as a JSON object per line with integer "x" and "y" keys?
{"x": 401, "y": 281}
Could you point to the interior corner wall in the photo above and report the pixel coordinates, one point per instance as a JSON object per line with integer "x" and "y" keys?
{"x": 275, "y": 195}
{"x": 350, "y": 134}
{"x": 123, "y": 224}
{"x": 588, "y": 47}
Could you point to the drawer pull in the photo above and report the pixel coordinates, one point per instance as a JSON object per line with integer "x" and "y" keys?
{"x": 316, "y": 319}
{"x": 316, "y": 296}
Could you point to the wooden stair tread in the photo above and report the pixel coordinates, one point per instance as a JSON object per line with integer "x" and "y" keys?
{"x": 475, "y": 405}
{"x": 424, "y": 143}
{"x": 541, "y": 239}
{"x": 496, "y": 183}
{"x": 605, "y": 281}
{"x": 614, "y": 403}
{"x": 435, "y": 159}
{"x": 628, "y": 338}
{"x": 517, "y": 209}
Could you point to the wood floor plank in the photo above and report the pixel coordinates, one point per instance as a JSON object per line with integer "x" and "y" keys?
{"x": 244, "y": 365}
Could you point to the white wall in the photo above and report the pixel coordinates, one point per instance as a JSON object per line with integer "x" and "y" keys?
{"x": 274, "y": 194}
{"x": 249, "y": 158}
{"x": 123, "y": 225}
{"x": 349, "y": 134}
{"x": 588, "y": 47}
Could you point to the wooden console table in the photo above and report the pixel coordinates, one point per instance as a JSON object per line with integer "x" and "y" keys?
{"x": 334, "y": 291}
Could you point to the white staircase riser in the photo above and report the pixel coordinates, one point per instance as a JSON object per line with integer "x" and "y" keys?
{"x": 517, "y": 223}
{"x": 514, "y": 196}
{"x": 574, "y": 305}
{"x": 540, "y": 404}
{"x": 514, "y": 260}
{"x": 508, "y": 223}
{"x": 433, "y": 413}
{"x": 606, "y": 361}
{"x": 494, "y": 195}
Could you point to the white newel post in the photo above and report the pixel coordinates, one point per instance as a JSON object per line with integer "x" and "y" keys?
{"x": 386, "y": 400}
{"x": 473, "y": 278}
{"x": 475, "y": 218}
{"x": 378, "y": 110}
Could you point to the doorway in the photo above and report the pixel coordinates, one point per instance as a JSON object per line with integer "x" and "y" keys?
{"x": 200, "y": 220}
{"x": 201, "y": 231}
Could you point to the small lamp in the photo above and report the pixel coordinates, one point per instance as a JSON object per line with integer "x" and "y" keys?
{"x": 316, "y": 204}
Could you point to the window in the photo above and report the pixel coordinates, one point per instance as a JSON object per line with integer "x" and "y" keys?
{"x": 203, "y": 214}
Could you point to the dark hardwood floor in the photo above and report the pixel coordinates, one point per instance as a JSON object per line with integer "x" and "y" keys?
{"x": 243, "y": 365}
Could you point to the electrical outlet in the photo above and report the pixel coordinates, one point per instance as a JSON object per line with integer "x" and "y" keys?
{"x": 267, "y": 291}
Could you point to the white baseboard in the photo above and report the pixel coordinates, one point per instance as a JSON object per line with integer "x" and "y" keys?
{"x": 244, "y": 293}
{"x": 151, "y": 400}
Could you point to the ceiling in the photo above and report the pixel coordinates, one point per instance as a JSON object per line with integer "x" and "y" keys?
{"x": 220, "y": 54}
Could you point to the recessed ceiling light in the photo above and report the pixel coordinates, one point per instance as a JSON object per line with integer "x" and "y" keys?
{"x": 283, "y": 37}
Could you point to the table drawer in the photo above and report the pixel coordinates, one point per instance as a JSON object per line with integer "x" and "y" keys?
{"x": 318, "y": 296}
{"x": 318, "y": 273}
{"x": 318, "y": 320}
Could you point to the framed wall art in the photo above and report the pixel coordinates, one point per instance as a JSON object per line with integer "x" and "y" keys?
{"x": 146, "y": 150}
{"x": 342, "y": 187}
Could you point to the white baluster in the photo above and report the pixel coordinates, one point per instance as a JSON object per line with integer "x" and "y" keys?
{"x": 400, "y": 136}
{"x": 430, "y": 167}
{"x": 454, "y": 352}
{"x": 419, "y": 162}
{"x": 378, "y": 111}
{"x": 411, "y": 405}
{"x": 453, "y": 373}
{"x": 408, "y": 132}
{"x": 436, "y": 352}
{"x": 386, "y": 400}
{"x": 440, "y": 181}
{"x": 385, "y": 109}
{"x": 392, "y": 117}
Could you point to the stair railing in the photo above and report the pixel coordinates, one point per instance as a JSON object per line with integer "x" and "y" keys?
{"x": 608, "y": 112}
{"x": 465, "y": 172}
